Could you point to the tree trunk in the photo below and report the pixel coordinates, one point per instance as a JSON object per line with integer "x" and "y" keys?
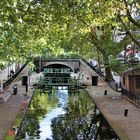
{"x": 108, "y": 74}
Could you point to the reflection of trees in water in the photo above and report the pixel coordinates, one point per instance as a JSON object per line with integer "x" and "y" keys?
{"x": 30, "y": 126}
{"x": 102, "y": 130}
{"x": 40, "y": 105}
{"x": 82, "y": 122}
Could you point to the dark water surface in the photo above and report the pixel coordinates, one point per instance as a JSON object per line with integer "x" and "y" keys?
{"x": 64, "y": 116}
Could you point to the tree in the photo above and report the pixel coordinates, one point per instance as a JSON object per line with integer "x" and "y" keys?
{"x": 129, "y": 18}
{"x": 50, "y": 27}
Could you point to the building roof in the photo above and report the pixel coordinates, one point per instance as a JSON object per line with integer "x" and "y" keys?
{"x": 132, "y": 71}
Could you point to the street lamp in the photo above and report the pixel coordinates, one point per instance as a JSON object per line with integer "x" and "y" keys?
{"x": 8, "y": 71}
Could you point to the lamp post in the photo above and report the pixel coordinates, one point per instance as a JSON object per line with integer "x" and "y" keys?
{"x": 8, "y": 71}
{"x": 39, "y": 64}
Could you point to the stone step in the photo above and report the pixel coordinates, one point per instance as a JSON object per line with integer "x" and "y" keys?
{"x": 5, "y": 96}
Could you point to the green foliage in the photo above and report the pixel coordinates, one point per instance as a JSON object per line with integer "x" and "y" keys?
{"x": 18, "y": 121}
{"x": 55, "y": 28}
{"x": 117, "y": 66}
{"x": 9, "y": 138}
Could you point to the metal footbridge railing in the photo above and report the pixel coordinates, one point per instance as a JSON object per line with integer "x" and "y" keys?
{"x": 13, "y": 77}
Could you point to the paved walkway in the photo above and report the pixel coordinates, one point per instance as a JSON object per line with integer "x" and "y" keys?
{"x": 9, "y": 109}
{"x": 112, "y": 106}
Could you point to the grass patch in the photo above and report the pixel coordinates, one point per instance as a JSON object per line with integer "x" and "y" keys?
{"x": 18, "y": 122}
{"x": 9, "y": 138}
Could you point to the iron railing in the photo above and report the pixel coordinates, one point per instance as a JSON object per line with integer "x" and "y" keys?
{"x": 12, "y": 78}
{"x": 135, "y": 98}
{"x": 112, "y": 83}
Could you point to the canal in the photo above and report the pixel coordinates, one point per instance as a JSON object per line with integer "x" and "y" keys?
{"x": 61, "y": 115}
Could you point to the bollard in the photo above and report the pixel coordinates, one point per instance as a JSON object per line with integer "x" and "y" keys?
{"x": 26, "y": 87}
{"x": 125, "y": 112}
{"x": 105, "y": 93}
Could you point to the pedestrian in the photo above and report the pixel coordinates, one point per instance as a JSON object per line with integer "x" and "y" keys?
{"x": 15, "y": 89}
{"x": 12, "y": 72}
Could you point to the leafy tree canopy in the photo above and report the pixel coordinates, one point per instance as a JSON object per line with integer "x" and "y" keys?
{"x": 50, "y": 27}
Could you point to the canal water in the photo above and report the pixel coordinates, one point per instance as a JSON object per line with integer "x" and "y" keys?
{"x": 61, "y": 115}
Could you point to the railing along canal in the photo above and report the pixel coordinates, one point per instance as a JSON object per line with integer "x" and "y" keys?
{"x": 12, "y": 78}
{"x": 110, "y": 82}
{"x": 132, "y": 96}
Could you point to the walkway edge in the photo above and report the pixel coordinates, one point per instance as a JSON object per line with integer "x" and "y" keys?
{"x": 115, "y": 126}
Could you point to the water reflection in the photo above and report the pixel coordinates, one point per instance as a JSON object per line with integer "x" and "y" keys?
{"x": 45, "y": 124}
{"x": 63, "y": 116}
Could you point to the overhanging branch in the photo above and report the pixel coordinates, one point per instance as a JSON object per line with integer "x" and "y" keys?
{"x": 95, "y": 41}
{"x": 128, "y": 32}
{"x": 129, "y": 15}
